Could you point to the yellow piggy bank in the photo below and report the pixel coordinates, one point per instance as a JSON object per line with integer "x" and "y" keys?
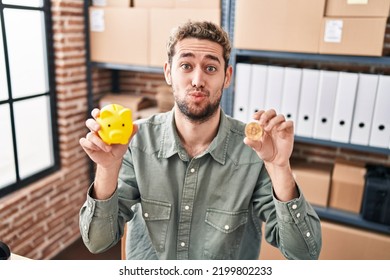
{"x": 116, "y": 124}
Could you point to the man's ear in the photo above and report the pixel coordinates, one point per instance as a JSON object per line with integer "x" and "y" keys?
{"x": 167, "y": 73}
{"x": 228, "y": 76}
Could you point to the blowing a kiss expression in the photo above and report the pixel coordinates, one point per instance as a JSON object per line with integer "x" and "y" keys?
{"x": 197, "y": 75}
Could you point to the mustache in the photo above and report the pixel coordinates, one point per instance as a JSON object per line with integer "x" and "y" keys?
{"x": 197, "y": 91}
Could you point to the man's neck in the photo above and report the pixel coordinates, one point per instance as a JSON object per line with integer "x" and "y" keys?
{"x": 196, "y": 137}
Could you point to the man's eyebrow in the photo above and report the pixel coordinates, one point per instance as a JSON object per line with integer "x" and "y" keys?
{"x": 208, "y": 56}
{"x": 213, "y": 57}
{"x": 186, "y": 54}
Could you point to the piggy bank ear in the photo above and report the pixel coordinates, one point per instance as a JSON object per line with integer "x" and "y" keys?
{"x": 105, "y": 114}
{"x": 125, "y": 114}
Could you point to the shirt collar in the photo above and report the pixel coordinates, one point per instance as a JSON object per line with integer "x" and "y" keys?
{"x": 171, "y": 145}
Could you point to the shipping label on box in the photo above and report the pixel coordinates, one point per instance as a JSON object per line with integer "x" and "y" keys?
{"x": 100, "y": 3}
{"x": 333, "y": 31}
{"x": 97, "y": 20}
{"x": 111, "y": 3}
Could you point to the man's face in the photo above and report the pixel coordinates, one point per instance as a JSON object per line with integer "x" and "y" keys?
{"x": 198, "y": 77}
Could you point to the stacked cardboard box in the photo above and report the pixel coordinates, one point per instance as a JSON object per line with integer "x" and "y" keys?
{"x": 119, "y": 35}
{"x": 137, "y": 34}
{"x": 352, "y": 27}
{"x": 140, "y": 105}
{"x": 314, "y": 181}
{"x": 278, "y": 25}
{"x": 341, "y": 242}
{"x": 347, "y": 186}
{"x": 346, "y": 27}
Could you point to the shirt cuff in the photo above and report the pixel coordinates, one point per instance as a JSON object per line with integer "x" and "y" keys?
{"x": 292, "y": 211}
{"x": 102, "y": 208}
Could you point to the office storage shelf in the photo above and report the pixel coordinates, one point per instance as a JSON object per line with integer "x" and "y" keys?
{"x": 351, "y": 219}
{"x": 305, "y": 57}
{"x": 349, "y": 146}
{"x": 316, "y": 60}
{"x": 366, "y": 64}
{"x": 127, "y": 67}
{"x": 276, "y": 58}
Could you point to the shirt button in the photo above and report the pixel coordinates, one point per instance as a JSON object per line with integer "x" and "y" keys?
{"x": 294, "y": 206}
{"x": 308, "y": 234}
{"x": 182, "y": 244}
{"x": 85, "y": 227}
{"x": 227, "y": 227}
{"x": 146, "y": 215}
{"x": 298, "y": 215}
{"x": 192, "y": 170}
{"x": 187, "y": 207}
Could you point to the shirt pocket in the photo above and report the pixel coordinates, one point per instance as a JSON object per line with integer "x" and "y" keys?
{"x": 224, "y": 233}
{"x": 156, "y": 215}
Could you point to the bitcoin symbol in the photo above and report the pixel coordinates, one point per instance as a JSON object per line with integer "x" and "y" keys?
{"x": 253, "y": 131}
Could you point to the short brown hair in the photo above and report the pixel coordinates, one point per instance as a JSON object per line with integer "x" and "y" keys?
{"x": 200, "y": 30}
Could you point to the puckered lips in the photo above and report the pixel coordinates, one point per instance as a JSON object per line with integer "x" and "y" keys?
{"x": 197, "y": 95}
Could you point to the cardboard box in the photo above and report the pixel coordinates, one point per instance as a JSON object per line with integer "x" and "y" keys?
{"x": 267, "y": 251}
{"x": 134, "y": 102}
{"x": 198, "y": 4}
{"x": 112, "y": 3}
{"x": 181, "y": 4}
{"x": 278, "y": 25}
{"x": 119, "y": 35}
{"x": 163, "y": 20}
{"x": 341, "y": 242}
{"x": 154, "y": 3}
{"x": 347, "y": 187}
{"x": 314, "y": 181}
{"x": 352, "y": 36}
{"x": 357, "y": 8}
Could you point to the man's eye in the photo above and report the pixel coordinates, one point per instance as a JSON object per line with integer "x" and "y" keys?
{"x": 185, "y": 66}
{"x": 211, "y": 69}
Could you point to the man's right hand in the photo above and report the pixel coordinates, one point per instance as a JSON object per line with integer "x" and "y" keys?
{"x": 107, "y": 157}
{"x": 101, "y": 153}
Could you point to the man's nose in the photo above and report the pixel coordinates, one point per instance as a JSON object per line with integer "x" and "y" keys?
{"x": 198, "y": 78}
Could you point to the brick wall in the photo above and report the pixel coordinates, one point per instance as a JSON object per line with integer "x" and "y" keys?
{"x": 41, "y": 219}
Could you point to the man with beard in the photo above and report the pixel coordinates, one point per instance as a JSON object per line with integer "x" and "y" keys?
{"x": 190, "y": 185}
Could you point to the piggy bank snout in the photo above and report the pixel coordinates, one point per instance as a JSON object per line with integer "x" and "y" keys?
{"x": 116, "y": 135}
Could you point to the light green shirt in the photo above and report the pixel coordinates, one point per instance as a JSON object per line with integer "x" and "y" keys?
{"x": 208, "y": 207}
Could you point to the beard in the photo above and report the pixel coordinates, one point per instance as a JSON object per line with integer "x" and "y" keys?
{"x": 198, "y": 113}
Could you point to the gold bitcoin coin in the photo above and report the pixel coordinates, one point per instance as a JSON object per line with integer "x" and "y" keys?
{"x": 253, "y": 131}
